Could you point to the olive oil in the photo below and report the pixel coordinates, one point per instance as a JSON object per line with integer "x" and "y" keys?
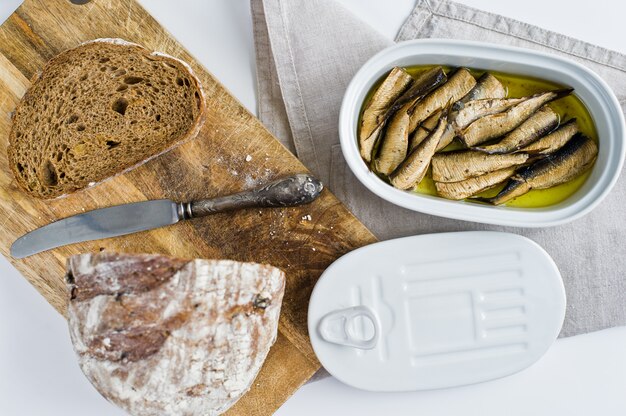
{"x": 519, "y": 86}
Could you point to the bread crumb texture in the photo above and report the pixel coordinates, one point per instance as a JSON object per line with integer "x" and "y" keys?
{"x": 98, "y": 110}
{"x": 163, "y": 336}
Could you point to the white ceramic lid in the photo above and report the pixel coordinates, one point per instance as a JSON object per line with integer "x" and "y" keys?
{"x": 436, "y": 311}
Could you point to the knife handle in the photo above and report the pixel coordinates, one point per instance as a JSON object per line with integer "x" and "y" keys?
{"x": 287, "y": 192}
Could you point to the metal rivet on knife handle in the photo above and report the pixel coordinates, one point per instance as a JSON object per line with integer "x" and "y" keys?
{"x": 287, "y": 192}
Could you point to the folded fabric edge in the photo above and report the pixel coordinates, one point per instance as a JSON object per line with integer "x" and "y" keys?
{"x": 426, "y": 9}
{"x": 270, "y": 104}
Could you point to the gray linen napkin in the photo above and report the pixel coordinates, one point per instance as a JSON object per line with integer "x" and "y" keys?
{"x": 307, "y": 52}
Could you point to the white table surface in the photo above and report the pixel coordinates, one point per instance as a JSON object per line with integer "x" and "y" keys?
{"x": 579, "y": 376}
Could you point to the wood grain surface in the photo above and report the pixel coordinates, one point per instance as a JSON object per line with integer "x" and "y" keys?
{"x": 302, "y": 241}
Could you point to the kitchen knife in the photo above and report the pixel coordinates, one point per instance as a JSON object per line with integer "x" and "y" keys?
{"x": 141, "y": 216}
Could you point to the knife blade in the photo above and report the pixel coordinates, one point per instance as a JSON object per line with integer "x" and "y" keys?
{"x": 100, "y": 223}
{"x": 142, "y": 216}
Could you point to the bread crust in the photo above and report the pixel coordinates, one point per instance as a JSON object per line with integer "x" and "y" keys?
{"x": 164, "y": 336}
{"x": 191, "y": 133}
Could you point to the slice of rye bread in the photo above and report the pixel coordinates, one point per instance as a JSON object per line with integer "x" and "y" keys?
{"x": 98, "y": 110}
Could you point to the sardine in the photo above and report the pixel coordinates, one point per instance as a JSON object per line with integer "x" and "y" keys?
{"x": 446, "y": 138}
{"x": 411, "y": 172}
{"x": 472, "y": 186}
{"x": 574, "y": 158}
{"x": 536, "y": 126}
{"x": 423, "y": 84}
{"x": 553, "y": 141}
{"x": 395, "y": 144}
{"x": 458, "y": 84}
{"x": 471, "y": 111}
{"x": 387, "y": 93}
{"x": 487, "y": 86}
{"x": 496, "y": 125}
{"x": 461, "y": 165}
{"x": 424, "y": 130}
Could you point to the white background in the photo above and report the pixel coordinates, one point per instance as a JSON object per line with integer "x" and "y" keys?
{"x": 579, "y": 376}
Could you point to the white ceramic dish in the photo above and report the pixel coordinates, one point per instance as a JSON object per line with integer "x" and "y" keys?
{"x": 435, "y": 311}
{"x": 589, "y": 87}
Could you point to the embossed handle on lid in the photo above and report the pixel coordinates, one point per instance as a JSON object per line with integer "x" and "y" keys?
{"x": 355, "y": 327}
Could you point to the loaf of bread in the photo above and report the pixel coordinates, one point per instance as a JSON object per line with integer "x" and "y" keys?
{"x": 163, "y": 336}
{"x": 98, "y": 110}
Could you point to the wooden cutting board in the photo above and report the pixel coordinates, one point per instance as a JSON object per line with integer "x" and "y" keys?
{"x": 302, "y": 241}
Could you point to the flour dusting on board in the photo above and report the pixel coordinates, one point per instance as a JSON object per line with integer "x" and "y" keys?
{"x": 243, "y": 168}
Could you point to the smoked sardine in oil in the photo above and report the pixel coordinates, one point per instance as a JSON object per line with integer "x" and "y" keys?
{"x": 520, "y": 86}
